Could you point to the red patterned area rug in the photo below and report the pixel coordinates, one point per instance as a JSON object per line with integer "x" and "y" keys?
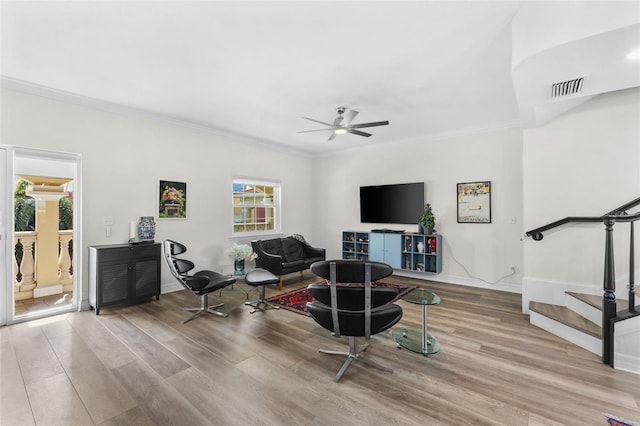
{"x": 296, "y": 300}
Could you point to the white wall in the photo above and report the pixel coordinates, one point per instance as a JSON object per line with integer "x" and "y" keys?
{"x": 124, "y": 157}
{"x": 485, "y": 250}
{"x": 584, "y": 163}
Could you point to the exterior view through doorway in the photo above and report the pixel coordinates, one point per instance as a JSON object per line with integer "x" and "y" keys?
{"x": 42, "y": 245}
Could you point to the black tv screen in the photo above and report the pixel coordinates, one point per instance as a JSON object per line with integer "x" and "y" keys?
{"x": 401, "y": 203}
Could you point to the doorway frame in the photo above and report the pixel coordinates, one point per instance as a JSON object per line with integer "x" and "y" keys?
{"x": 7, "y": 171}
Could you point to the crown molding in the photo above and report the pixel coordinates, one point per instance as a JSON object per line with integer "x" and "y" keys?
{"x": 114, "y": 108}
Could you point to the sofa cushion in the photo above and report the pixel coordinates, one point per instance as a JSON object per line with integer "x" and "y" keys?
{"x": 272, "y": 246}
{"x": 294, "y": 264}
{"x": 293, "y": 250}
{"x": 311, "y": 260}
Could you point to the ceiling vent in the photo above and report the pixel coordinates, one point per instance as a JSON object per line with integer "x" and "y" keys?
{"x": 566, "y": 88}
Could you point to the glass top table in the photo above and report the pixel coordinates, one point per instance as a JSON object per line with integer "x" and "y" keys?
{"x": 418, "y": 340}
{"x": 240, "y": 279}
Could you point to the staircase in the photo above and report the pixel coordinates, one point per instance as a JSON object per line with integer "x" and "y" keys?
{"x": 578, "y": 321}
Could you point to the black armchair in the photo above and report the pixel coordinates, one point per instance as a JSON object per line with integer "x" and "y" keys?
{"x": 353, "y": 311}
{"x": 200, "y": 284}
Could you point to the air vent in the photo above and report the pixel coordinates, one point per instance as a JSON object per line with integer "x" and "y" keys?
{"x": 566, "y": 88}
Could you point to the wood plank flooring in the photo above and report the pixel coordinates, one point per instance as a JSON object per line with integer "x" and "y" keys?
{"x": 139, "y": 365}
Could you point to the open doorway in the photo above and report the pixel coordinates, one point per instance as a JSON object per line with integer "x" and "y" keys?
{"x": 44, "y": 237}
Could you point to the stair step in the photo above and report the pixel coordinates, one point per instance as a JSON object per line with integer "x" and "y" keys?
{"x": 596, "y": 301}
{"x": 567, "y": 317}
{"x": 589, "y": 299}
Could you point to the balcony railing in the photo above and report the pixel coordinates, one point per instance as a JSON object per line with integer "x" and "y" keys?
{"x": 26, "y": 275}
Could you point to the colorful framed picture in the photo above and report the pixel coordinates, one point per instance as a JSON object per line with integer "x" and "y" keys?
{"x": 474, "y": 202}
{"x": 172, "y": 200}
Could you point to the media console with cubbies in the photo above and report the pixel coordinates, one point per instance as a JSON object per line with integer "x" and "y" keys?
{"x": 355, "y": 245}
{"x": 411, "y": 252}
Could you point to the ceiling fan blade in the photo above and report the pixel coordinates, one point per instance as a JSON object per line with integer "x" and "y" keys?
{"x": 349, "y": 116}
{"x": 317, "y": 130}
{"x": 338, "y": 120}
{"x": 332, "y": 137}
{"x": 373, "y": 124}
{"x": 318, "y": 121}
{"x": 358, "y": 132}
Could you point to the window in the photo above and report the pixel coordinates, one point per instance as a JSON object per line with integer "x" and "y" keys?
{"x": 256, "y": 207}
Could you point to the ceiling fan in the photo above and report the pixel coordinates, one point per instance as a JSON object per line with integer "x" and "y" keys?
{"x": 342, "y": 124}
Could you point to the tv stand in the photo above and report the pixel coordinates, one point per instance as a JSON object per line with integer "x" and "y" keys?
{"x": 409, "y": 252}
{"x": 387, "y": 231}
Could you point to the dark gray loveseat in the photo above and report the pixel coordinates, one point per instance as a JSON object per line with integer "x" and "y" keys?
{"x": 282, "y": 256}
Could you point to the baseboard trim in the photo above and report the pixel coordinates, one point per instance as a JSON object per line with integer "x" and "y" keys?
{"x": 170, "y": 288}
{"x": 626, "y": 363}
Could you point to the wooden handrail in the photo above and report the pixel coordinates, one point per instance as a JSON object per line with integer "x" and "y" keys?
{"x": 536, "y": 234}
{"x": 625, "y": 207}
{"x": 619, "y": 215}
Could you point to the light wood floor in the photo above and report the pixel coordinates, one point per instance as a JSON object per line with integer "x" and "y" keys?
{"x": 139, "y": 365}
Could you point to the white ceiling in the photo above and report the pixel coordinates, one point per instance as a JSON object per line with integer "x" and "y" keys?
{"x": 252, "y": 69}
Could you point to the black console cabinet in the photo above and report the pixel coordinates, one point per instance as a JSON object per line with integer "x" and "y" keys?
{"x": 123, "y": 273}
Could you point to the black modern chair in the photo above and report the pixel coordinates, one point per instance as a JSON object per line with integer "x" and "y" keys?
{"x": 353, "y": 310}
{"x": 199, "y": 284}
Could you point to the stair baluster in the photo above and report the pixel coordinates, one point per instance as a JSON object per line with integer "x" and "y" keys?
{"x": 609, "y": 296}
{"x": 632, "y": 299}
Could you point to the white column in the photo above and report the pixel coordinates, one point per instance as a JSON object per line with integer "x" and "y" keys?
{"x": 47, "y": 193}
{"x": 27, "y": 267}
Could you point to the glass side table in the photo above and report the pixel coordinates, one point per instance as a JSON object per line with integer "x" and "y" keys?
{"x": 414, "y": 339}
{"x": 239, "y": 280}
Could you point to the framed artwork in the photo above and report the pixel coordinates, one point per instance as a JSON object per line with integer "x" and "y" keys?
{"x": 172, "y": 200}
{"x": 474, "y": 202}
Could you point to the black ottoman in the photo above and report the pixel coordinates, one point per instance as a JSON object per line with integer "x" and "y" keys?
{"x": 260, "y": 278}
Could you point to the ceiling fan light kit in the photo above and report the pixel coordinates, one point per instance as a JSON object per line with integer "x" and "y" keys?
{"x": 342, "y": 124}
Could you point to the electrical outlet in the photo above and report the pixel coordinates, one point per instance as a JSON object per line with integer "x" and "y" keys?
{"x": 512, "y": 268}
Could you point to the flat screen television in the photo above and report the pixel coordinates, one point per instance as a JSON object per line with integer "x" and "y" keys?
{"x": 400, "y": 203}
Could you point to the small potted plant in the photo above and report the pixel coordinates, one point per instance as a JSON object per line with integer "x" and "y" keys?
{"x": 427, "y": 221}
{"x": 239, "y": 253}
